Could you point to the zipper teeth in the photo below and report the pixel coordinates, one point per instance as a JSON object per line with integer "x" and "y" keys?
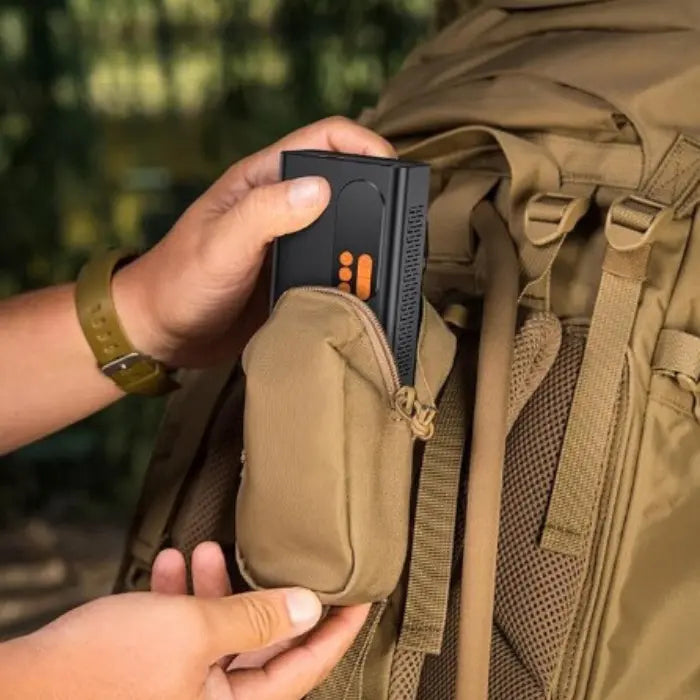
{"x": 377, "y": 336}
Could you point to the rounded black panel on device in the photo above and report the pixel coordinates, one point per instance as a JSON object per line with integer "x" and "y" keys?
{"x": 359, "y": 217}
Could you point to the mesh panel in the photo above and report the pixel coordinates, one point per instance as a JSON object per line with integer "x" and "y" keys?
{"x": 536, "y": 347}
{"x": 536, "y": 589}
{"x": 508, "y": 678}
{"x": 405, "y": 674}
{"x": 209, "y": 500}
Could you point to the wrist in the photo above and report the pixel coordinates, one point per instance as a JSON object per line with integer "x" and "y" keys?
{"x": 134, "y": 306}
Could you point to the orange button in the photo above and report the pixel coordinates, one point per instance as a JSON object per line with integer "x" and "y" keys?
{"x": 344, "y": 287}
{"x": 364, "y": 276}
{"x": 345, "y": 274}
{"x": 346, "y": 258}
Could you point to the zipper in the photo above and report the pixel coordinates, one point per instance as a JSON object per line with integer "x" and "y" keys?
{"x": 375, "y": 333}
{"x": 404, "y": 399}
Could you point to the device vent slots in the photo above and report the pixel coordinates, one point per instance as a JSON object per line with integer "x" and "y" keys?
{"x": 411, "y": 273}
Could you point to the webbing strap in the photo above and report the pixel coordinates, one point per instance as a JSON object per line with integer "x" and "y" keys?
{"x": 346, "y": 680}
{"x": 549, "y": 218}
{"x": 450, "y": 212}
{"x": 677, "y": 180}
{"x": 580, "y": 472}
{"x": 632, "y": 225}
{"x": 436, "y": 509}
{"x": 678, "y": 353}
{"x": 172, "y": 458}
{"x": 425, "y": 609}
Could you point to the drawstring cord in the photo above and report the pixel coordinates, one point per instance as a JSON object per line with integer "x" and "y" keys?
{"x": 421, "y": 418}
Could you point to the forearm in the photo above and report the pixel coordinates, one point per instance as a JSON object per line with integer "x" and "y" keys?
{"x": 48, "y": 375}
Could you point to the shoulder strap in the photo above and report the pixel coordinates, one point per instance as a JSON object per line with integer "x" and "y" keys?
{"x": 487, "y": 454}
{"x": 633, "y": 226}
{"x": 188, "y": 414}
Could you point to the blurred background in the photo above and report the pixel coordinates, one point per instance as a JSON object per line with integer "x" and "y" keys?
{"x": 114, "y": 116}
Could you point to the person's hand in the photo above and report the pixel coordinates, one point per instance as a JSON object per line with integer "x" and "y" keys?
{"x": 277, "y": 662}
{"x": 181, "y": 302}
{"x": 152, "y": 646}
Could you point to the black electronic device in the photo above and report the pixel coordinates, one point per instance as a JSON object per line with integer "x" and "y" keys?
{"x": 370, "y": 241}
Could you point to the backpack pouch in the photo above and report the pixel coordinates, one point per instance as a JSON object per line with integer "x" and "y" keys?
{"x": 329, "y": 433}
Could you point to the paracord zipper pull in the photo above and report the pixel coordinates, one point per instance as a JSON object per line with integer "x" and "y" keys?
{"x": 421, "y": 418}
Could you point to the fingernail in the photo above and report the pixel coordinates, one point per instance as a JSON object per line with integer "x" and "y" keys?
{"x": 303, "y": 607}
{"x": 304, "y": 191}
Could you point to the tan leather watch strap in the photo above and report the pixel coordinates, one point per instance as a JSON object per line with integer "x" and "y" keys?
{"x": 131, "y": 370}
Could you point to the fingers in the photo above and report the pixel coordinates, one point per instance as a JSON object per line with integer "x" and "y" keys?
{"x": 333, "y": 134}
{"x": 296, "y": 672}
{"x": 252, "y": 621}
{"x": 257, "y": 659}
{"x": 169, "y": 575}
{"x": 262, "y": 215}
{"x": 209, "y": 574}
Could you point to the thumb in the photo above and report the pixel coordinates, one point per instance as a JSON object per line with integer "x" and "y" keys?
{"x": 251, "y": 621}
{"x": 270, "y": 211}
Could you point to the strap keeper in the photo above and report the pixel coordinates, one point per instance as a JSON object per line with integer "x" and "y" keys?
{"x": 634, "y": 221}
{"x": 549, "y": 216}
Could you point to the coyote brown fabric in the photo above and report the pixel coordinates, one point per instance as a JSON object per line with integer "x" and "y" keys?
{"x": 537, "y": 344}
{"x": 536, "y": 589}
{"x": 520, "y": 98}
{"x": 207, "y": 508}
{"x": 327, "y": 452}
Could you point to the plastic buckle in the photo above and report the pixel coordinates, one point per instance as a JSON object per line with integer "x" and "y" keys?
{"x": 633, "y": 221}
{"x": 551, "y": 215}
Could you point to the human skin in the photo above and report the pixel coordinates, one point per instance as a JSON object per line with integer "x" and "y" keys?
{"x": 187, "y": 302}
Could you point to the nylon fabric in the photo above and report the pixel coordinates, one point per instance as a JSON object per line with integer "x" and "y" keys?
{"x": 508, "y": 678}
{"x": 579, "y": 477}
{"x": 537, "y": 345}
{"x": 433, "y": 526}
{"x": 171, "y": 462}
{"x": 487, "y": 452}
{"x": 536, "y": 590}
{"x": 405, "y": 674}
{"x": 531, "y": 460}
{"x": 345, "y": 680}
{"x": 678, "y": 353}
{"x": 208, "y": 506}
{"x": 425, "y": 608}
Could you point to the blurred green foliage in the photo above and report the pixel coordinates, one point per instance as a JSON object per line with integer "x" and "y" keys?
{"x": 114, "y": 115}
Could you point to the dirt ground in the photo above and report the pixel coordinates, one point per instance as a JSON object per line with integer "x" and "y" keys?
{"x": 47, "y": 569}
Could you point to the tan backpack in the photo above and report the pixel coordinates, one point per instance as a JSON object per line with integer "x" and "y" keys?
{"x": 525, "y": 518}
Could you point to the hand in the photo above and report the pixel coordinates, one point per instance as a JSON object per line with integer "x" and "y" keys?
{"x": 181, "y": 302}
{"x": 270, "y": 671}
{"x": 149, "y": 646}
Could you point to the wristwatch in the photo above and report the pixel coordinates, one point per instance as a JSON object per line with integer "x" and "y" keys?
{"x": 133, "y": 371}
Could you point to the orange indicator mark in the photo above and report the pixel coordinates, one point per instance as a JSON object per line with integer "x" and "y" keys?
{"x": 363, "y": 286}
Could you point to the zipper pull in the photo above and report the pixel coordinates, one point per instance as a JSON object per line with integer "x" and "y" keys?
{"x": 421, "y": 418}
